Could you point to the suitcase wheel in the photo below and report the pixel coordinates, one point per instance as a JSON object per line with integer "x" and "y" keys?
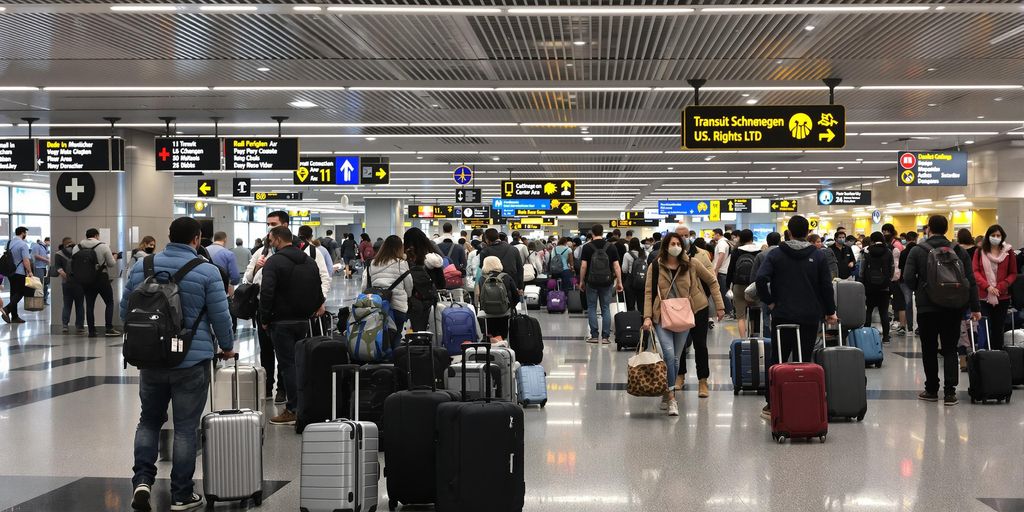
{"x": 545, "y": 402}
{"x": 257, "y": 498}
{"x": 821, "y": 438}
{"x": 779, "y": 439}
{"x": 735, "y": 391}
{"x": 392, "y": 504}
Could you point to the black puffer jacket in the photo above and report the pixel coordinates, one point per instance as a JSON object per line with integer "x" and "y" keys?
{"x": 916, "y": 276}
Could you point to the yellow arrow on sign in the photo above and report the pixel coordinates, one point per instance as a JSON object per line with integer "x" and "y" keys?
{"x": 827, "y": 136}
{"x": 381, "y": 173}
{"x": 302, "y": 173}
{"x": 205, "y": 188}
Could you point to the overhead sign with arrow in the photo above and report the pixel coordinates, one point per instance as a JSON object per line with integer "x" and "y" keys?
{"x": 375, "y": 171}
{"x": 741, "y": 205}
{"x": 467, "y": 195}
{"x": 346, "y": 170}
{"x": 278, "y": 196}
{"x": 206, "y": 188}
{"x": 433, "y": 211}
{"x": 241, "y": 187}
{"x": 529, "y": 189}
{"x": 634, "y": 223}
{"x": 784, "y": 205}
{"x": 534, "y": 207}
{"x": 315, "y": 171}
{"x": 764, "y": 127}
{"x": 690, "y": 207}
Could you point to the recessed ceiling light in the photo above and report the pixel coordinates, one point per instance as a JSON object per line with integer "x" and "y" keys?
{"x": 840, "y": 167}
{"x": 263, "y": 69}
{"x": 179, "y": 133}
{"x": 884, "y": 143}
{"x": 371, "y": 138}
{"x": 435, "y": 105}
{"x": 584, "y": 128}
{"x": 671, "y": 168}
{"x": 419, "y": 158}
{"x": 136, "y": 8}
{"x": 495, "y": 158}
{"x": 588, "y": 139}
{"x": 931, "y": 69}
{"x": 751, "y": 101}
{"x": 997, "y": 99}
{"x": 809, "y": 28}
{"x": 579, "y": 43}
{"x": 981, "y": 117}
{"x": 569, "y": 65}
{"x": 302, "y": 104}
{"x": 940, "y": 8}
{"x": 745, "y": 95}
{"x": 932, "y": 104}
{"x": 778, "y": 61}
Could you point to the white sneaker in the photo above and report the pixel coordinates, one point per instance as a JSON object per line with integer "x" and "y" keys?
{"x": 592, "y": 340}
{"x": 673, "y": 408}
{"x": 664, "y": 404}
{"x": 605, "y": 341}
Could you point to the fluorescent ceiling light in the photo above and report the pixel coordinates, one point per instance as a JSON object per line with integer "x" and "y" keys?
{"x": 280, "y": 88}
{"x": 935, "y": 87}
{"x": 574, "y": 88}
{"x": 814, "y": 9}
{"x": 413, "y": 9}
{"x": 922, "y": 134}
{"x": 263, "y": 69}
{"x": 307, "y": 8}
{"x": 302, "y": 104}
{"x": 17, "y": 88}
{"x": 922, "y": 201}
{"x": 228, "y": 8}
{"x": 425, "y": 89}
{"x": 1006, "y": 35}
{"x": 809, "y": 28}
{"x": 599, "y": 11}
{"x": 956, "y": 196}
{"x": 140, "y": 8}
{"x": 126, "y": 88}
{"x": 752, "y": 101}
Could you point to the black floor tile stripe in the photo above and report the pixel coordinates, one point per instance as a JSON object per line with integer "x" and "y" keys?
{"x": 1004, "y": 504}
{"x": 115, "y": 495}
{"x": 49, "y": 365}
{"x": 20, "y": 349}
{"x": 59, "y": 389}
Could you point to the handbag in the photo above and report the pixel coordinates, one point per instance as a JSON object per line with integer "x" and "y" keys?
{"x": 676, "y": 312}
{"x": 647, "y": 374}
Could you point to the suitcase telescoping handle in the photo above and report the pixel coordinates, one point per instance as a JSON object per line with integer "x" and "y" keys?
{"x": 316, "y": 324}
{"x": 487, "y": 369}
{"x": 824, "y": 325}
{"x": 335, "y": 370}
{"x": 778, "y": 341}
{"x": 408, "y": 374}
{"x": 236, "y": 392}
{"x": 988, "y": 331}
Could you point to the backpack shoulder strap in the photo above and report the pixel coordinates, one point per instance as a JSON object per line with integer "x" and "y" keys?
{"x": 451, "y": 249}
{"x": 180, "y": 274}
{"x": 399, "y": 280}
{"x": 312, "y": 251}
{"x": 148, "y": 269}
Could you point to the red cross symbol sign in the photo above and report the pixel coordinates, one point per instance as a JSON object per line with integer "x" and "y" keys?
{"x": 163, "y": 154}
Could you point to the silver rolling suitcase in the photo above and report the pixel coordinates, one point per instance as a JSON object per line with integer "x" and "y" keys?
{"x": 339, "y": 464}
{"x": 232, "y": 453}
{"x": 505, "y": 359}
{"x": 252, "y": 383}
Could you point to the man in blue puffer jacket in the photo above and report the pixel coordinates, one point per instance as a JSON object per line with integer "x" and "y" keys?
{"x": 187, "y": 386}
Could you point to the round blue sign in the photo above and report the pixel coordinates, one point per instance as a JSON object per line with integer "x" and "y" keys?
{"x": 826, "y": 197}
{"x": 876, "y": 216}
{"x": 463, "y": 175}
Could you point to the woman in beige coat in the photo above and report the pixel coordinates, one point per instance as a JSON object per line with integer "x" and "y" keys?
{"x": 677, "y": 277}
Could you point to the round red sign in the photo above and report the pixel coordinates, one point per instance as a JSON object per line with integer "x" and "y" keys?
{"x": 908, "y": 160}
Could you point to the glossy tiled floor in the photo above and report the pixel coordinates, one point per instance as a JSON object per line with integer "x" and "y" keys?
{"x": 68, "y": 412}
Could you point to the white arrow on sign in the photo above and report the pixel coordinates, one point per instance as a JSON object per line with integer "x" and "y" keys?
{"x": 347, "y": 169}
{"x": 241, "y": 187}
{"x": 459, "y": 193}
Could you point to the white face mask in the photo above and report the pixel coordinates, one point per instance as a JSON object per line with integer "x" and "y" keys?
{"x": 675, "y": 250}
{"x": 995, "y": 240}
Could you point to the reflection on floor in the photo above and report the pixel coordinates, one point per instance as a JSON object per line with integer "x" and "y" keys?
{"x": 68, "y": 412}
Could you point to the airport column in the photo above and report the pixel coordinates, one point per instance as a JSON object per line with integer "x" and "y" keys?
{"x": 1010, "y": 215}
{"x": 383, "y": 217}
{"x": 223, "y": 216}
{"x": 123, "y": 206}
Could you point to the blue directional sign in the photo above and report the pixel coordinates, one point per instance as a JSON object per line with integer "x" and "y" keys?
{"x": 693, "y": 207}
{"x": 826, "y": 197}
{"x": 346, "y": 170}
{"x": 463, "y": 175}
{"x": 508, "y": 207}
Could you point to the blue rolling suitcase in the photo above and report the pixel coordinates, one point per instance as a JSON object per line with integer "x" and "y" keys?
{"x": 749, "y": 360}
{"x": 533, "y": 385}
{"x": 869, "y": 340}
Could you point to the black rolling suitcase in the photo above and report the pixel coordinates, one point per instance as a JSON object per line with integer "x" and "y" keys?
{"x": 989, "y": 373}
{"x": 409, "y": 421}
{"x": 526, "y": 339}
{"x": 1015, "y": 351}
{"x": 376, "y": 383}
{"x": 574, "y": 301}
{"x": 315, "y": 357}
{"x": 627, "y": 329}
{"x": 480, "y": 453}
{"x": 417, "y": 358}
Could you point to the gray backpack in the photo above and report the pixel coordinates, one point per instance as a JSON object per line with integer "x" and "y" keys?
{"x": 494, "y": 295}
{"x": 555, "y": 264}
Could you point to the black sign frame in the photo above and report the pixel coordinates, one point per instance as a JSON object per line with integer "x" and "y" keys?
{"x": 169, "y": 151}
{"x": 370, "y": 169}
{"x": 468, "y": 195}
{"x": 509, "y": 189}
{"x": 770, "y": 127}
{"x": 22, "y": 157}
{"x": 282, "y": 161}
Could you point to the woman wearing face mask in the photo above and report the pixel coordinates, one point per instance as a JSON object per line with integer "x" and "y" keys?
{"x": 995, "y": 269}
{"x": 73, "y": 293}
{"x": 146, "y": 247}
{"x": 674, "y": 275}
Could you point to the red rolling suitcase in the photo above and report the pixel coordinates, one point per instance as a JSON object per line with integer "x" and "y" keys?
{"x": 797, "y": 392}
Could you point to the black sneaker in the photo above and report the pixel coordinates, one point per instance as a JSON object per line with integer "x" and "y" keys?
{"x": 140, "y": 500}
{"x": 196, "y": 501}
{"x": 950, "y": 400}
{"x": 928, "y": 397}
{"x": 112, "y": 333}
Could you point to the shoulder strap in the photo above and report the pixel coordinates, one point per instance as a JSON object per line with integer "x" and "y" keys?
{"x": 148, "y": 268}
{"x": 399, "y": 280}
{"x": 451, "y": 249}
{"x": 180, "y": 274}
{"x": 312, "y": 251}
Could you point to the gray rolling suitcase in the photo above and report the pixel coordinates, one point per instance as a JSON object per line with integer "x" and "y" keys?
{"x": 845, "y": 379}
{"x": 505, "y": 359}
{"x": 339, "y": 462}
{"x": 475, "y": 379}
{"x": 850, "y": 303}
{"x": 232, "y": 453}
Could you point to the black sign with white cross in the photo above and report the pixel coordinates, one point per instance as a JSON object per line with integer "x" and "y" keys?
{"x": 75, "y": 190}
{"x": 241, "y": 187}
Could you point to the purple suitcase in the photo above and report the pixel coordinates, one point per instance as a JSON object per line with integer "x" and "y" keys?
{"x": 556, "y": 301}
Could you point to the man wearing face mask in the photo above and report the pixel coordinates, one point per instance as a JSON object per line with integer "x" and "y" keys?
{"x": 72, "y": 291}
{"x": 844, "y": 256}
{"x": 21, "y": 253}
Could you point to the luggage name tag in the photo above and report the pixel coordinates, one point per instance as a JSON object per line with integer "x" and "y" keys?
{"x": 177, "y": 345}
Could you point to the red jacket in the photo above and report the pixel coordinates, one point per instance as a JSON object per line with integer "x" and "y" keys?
{"x": 1006, "y": 274}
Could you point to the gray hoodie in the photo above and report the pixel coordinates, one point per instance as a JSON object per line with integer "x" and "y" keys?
{"x": 103, "y": 255}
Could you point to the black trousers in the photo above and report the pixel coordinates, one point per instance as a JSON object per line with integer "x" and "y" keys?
{"x": 881, "y": 302}
{"x": 698, "y": 337}
{"x": 943, "y": 327}
{"x": 17, "y": 293}
{"x": 996, "y": 322}
{"x": 267, "y": 356}
{"x": 634, "y": 299}
{"x": 101, "y": 288}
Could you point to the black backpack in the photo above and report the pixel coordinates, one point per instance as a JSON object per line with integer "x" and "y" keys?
{"x": 7, "y": 265}
{"x": 874, "y": 271}
{"x": 599, "y": 268}
{"x": 85, "y": 265}
{"x": 638, "y": 273}
{"x": 246, "y": 301}
{"x": 744, "y": 268}
{"x": 305, "y": 276}
{"x": 154, "y": 334}
{"x": 946, "y": 283}
{"x": 424, "y": 287}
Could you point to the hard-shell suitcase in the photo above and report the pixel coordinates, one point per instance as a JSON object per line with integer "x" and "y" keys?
{"x": 1010, "y": 345}
{"x": 531, "y": 294}
{"x": 232, "y": 454}
{"x": 315, "y": 358}
{"x": 505, "y": 359}
{"x": 409, "y": 422}
{"x": 339, "y": 466}
{"x": 749, "y": 361}
{"x": 850, "y": 301}
{"x": 480, "y": 454}
{"x": 989, "y": 373}
{"x": 418, "y": 358}
{"x": 556, "y": 301}
{"x": 526, "y": 339}
{"x": 574, "y": 301}
{"x": 252, "y": 383}
{"x": 797, "y": 391}
{"x": 845, "y": 380}
{"x": 376, "y": 383}
{"x": 475, "y": 380}
{"x": 627, "y": 329}
{"x": 532, "y": 382}
{"x": 869, "y": 341}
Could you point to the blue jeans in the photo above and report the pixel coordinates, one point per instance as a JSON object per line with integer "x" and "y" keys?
{"x": 399, "y": 317}
{"x": 724, "y": 289}
{"x": 566, "y": 280}
{"x": 186, "y": 389}
{"x": 284, "y": 335}
{"x": 672, "y": 344}
{"x": 605, "y": 296}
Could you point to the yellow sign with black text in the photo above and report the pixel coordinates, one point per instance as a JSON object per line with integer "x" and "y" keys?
{"x": 715, "y": 214}
{"x": 784, "y": 206}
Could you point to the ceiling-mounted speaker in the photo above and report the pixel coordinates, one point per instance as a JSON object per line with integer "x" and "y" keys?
{"x": 344, "y": 201}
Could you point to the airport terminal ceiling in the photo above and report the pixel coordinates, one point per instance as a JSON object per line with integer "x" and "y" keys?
{"x": 583, "y": 91}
